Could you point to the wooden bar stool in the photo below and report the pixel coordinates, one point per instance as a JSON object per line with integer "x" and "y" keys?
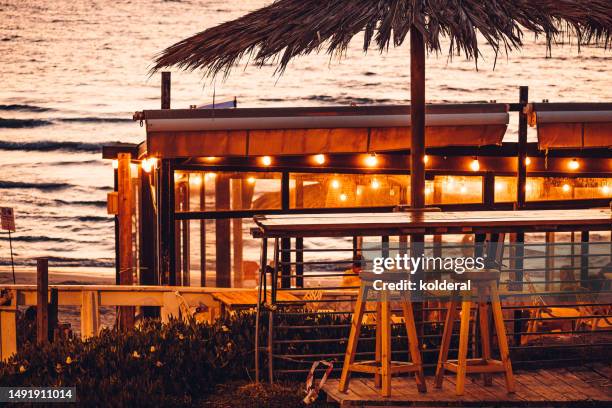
{"x": 382, "y": 366}
{"x": 485, "y": 284}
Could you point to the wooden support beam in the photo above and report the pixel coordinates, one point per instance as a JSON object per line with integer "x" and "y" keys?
{"x": 203, "y": 233}
{"x": 166, "y": 223}
{"x": 417, "y": 116}
{"x": 90, "y": 313}
{"x": 42, "y": 300}
{"x": 53, "y": 304}
{"x": 222, "y": 232}
{"x": 147, "y": 230}
{"x": 550, "y": 260}
{"x": 521, "y": 181}
{"x": 165, "y": 89}
{"x": 126, "y": 208}
{"x": 584, "y": 258}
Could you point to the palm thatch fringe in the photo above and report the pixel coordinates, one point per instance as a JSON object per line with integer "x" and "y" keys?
{"x": 288, "y": 28}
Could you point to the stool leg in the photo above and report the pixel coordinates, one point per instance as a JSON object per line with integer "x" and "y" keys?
{"x": 451, "y": 313}
{"x": 464, "y": 334}
{"x": 378, "y": 356}
{"x": 353, "y": 338}
{"x": 413, "y": 343}
{"x": 502, "y": 340}
{"x": 386, "y": 346}
{"x": 485, "y": 335}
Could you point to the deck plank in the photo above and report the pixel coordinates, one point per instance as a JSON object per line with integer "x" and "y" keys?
{"x": 558, "y": 387}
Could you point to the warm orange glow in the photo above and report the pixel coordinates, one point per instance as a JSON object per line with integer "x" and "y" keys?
{"x": 195, "y": 180}
{"x": 335, "y": 184}
{"x": 375, "y": 184}
{"x": 605, "y": 189}
{"x": 210, "y": 176}
{"x": 266, "y": 160}
{"x": 211, "y": 158}
{"x": 463, "y": 190}
{"x": 115, "y": 164}
{"x": 343, "y": 197}
{"x": 528, "y": 187}
{"x": 319, "y": 159}
{"x": 426, "y": 159}
{"x": 428, "y": 190}
{"x": 500, "y": 185}
{"x": 371, "y": 160}
{"x": 146, "y": 165}
{"x": 133, "y": 168}
{"x": 566, "y": 188}
{"x": 359, "y": 190}
{"x": 475, "y": 165}
{"x": 251, "y": 180}
{"x": 573, "y": 164}
{"x": 527, "y": 161}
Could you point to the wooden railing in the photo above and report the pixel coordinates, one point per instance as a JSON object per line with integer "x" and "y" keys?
{"x": 91, "y": 297}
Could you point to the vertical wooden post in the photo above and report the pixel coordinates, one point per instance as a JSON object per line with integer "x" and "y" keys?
{"x": 166, "y": 223}
{"x": 488, "y": 189}
{"x": 285, "y": 242}
{"x": 185, "y": 238}
{"x": 203, "y": 233}
{"x": 237, "y": 232}
{"x": 117, "y": 252}
{"x": 417, "y": 117}
{"x": 148, "y": 231}
{"x": 90, "y": 313}
{"x": 42, "y": 300}
{"x": 222, "y": 232}
{"x": 299, "y": 241}
{"x": 521, "y": 181}
{"x": 584, "y": 258}
{"x": 126, "y": 201}
{"x": 53, "y": 303}
{"x": 165, "y": 89}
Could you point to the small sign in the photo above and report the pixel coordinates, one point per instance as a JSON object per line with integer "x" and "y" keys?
{"x": 7, "y": 219}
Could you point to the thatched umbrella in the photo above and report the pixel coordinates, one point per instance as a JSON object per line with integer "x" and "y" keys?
{"x": 288, "y": 28}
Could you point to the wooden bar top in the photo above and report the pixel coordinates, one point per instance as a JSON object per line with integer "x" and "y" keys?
{"x": 455, "y": 222}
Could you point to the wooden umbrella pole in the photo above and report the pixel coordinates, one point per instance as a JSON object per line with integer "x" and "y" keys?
{"x": 417, "y": 116}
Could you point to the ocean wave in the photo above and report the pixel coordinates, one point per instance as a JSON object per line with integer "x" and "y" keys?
{"x": 23, "y": 108}
{"x": 58, "y": 261}
{"x": 38, "y": 186}
{"x": 30, "y": 238}
{"x": 95, "y": 120}
{"x": 94, "y": 203}
{"x": 49, "y": 146}
{"x": 94, "y": 218}
{"x": 22, "y": 123}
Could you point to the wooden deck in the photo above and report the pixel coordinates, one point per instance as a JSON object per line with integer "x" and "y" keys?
{"x": 560, "y": 387}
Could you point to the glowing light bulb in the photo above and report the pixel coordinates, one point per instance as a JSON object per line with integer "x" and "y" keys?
{"x": 371, "y": 160}
{"x": 527, "y": 161}
{"x": 375, "y": 184}
{"x": 153, "y": 161}
{"x": 210, "y": 158}
{"x": 528, "y": 187}
{"x": 463, "y": 190}
{"x": 319, "y": 159}
{"x": 342, "y": 197}
{"x": 573, "y": 164}
{"x": 266, "y": 160}
{"x": 475, "y": 165}
{"x": 335, "y": 184}
{"x": 428, "y": 190}
{"x": 605, "y": 189}
{"x": 196, "y": 180}
{"x": 566, "y": 188}
{"x": 251, "y": 180}
{"x": 146, "y": 165}
{"x": 115, "y": 164}
{"x": 392, "y": 193}
{"x": 426, "y": 159}
{"x": 210, "y": 176}
{"x": 500, "y": 185}
{"x": 359, "y": 190}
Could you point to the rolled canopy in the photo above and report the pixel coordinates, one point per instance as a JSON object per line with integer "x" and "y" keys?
{"x": 573, "y": 125}
{"x": 296, "y": 131}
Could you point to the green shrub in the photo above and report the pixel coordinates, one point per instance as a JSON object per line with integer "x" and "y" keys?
{"x": 155, "y": 364}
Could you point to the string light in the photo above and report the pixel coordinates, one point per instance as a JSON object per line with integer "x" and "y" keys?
{"x": 566, "y": 188}
{"x": 375, "y": 184}
{"x": 527, "y": 161}
{"x": 371, "y": 160}
{"x": 605, "y": 189}
{"x": 196, "y": 180}
{"x": 115, "y": 164}
{"x": 475, "y": 164}
{"x": 342, "y": 197}
{"x": 391, "y": 193}
{"x": 266, "y": 160}
{"x": 319, "y": 158}
{"x": 573, "y": 164}
{"x": 251, "y": 180}
{"x": 146, "y": 165}
{"x": 335, "y": 184}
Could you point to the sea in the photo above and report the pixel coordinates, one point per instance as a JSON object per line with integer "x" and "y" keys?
{"x": 74, "y": 71}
